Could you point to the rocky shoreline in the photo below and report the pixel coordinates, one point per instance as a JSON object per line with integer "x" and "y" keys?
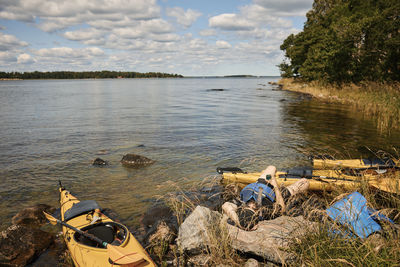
{"x": 184, "y": 229}
{"x": 191, "y": 228}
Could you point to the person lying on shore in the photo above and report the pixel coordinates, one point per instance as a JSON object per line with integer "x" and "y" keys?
{"x": 262, "y": 200}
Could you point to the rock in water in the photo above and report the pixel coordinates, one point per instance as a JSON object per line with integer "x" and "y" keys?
{"x": 271, "y": 238}
{"x": 135, "y": 161}
{"x": 99, "y": 162}
{"x": 33, "y": 216}
{"x": 193, "y": 234}
{"x": 20, "y": 245}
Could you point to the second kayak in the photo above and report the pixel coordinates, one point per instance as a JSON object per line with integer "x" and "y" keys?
{"x": 319, "y": 179}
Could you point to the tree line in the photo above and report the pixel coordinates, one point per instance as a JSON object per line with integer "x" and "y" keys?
{"x": 84, "y": 75}
{"x": 346, "y": 41}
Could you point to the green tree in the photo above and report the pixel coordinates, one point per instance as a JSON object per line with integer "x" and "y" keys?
{"x": 346, "y": 41}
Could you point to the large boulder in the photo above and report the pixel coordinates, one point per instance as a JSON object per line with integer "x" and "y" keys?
{"x": 271, "y": 238}
{"x": 193, "y": 235}
{"x": 20, "y": 245}
{"x": 33, "y": 216}
{"x": 135, "y": 161}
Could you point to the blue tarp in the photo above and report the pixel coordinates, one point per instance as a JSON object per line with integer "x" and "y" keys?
{"x": 352, "y": 212}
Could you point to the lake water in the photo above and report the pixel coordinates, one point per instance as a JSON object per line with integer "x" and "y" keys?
{"x": 54, "y": 129}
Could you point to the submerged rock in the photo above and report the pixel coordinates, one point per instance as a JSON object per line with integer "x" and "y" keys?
{"x": 20, "y": 245}
{"x": 216, "y": 90}
{"x": 102, "y": 152}
{"x": 33, "y": 216}
{"x": 99, "y": 162}
{"x": 157, "y": 213}
{"x": 135, "y": 161}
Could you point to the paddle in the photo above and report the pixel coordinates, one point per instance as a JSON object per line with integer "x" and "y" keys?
{"x": 118, "y": 255}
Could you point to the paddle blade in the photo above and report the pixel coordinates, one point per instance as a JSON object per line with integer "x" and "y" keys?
{"x": 51, "y": 219}
{"x": 123, "y": 256}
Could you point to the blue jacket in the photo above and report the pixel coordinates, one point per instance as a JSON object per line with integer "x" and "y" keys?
{"x": 251, "y": 192}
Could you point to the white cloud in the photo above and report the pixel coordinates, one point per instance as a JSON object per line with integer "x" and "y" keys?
{"x": 287, "y": 7}
{"x": 139, "y": 35}
{"x": 67, "y": 52}
{"x": 137, "y": 9}
{"x": 129, "y": 33}
{"x": 223, "y": 44}
{"x": 230, "y": 22}
{"x": 184, "y": 18}
{"x": 7, "y": 57}
{"x": 156, "y": 26}
{"x": 169, "y": 37}
{"x": 83, "y": 34}
{"x": 208, "y": 32}
{"x": 10, "y": 42}
{"x": 57, "y": 15}
{"x": 25, "y": 59}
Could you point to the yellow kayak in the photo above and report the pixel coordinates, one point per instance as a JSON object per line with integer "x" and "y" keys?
{"x": 319, "y": 179}
{"x": 326, "y": 163}
{"x": 86, "y": 216}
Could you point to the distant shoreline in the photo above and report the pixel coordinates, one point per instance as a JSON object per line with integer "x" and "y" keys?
{"x": 53, "y": 76}
{"x": 104, "y": 74}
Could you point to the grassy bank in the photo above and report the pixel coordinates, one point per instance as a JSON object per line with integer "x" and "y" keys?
{"x": 381, "y": 101}
{"x": 322, "y": 248}
{"x": 318, "y": 248}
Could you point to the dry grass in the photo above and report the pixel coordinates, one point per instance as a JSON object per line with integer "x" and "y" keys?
{"x": 322, "y": 248}
{"x": 382, "y": 101}
{"x": 318, "y": 248}
{"x": 182, "y": 202}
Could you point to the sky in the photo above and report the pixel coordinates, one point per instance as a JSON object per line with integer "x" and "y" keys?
{"x": 188, "y": 37}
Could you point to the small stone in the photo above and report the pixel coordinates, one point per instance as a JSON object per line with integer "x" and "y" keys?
{"x": 251, "y": 263}
{"x": 99, "y": 162}
{"x": 199, "y": 260}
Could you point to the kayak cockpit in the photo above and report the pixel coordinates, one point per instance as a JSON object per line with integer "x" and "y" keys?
{"x": 110, "y": 232}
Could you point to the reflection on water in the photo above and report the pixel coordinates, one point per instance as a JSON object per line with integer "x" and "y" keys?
{"x": 337, "y": 130}
{"x": 52, "y": 130}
